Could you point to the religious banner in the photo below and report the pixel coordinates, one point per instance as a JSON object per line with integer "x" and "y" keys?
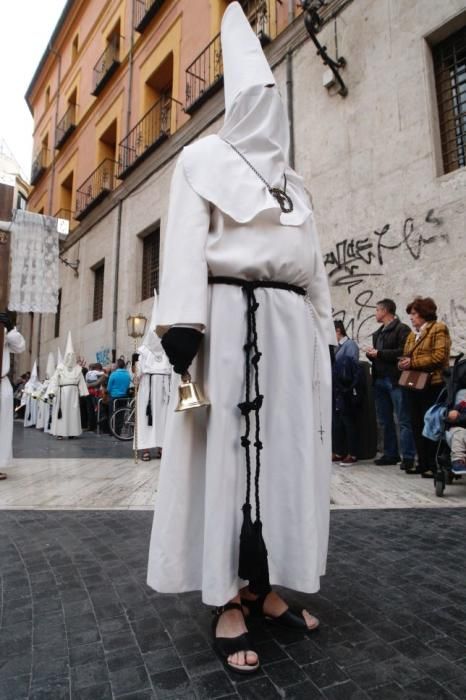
{"x": 34, "y": 263}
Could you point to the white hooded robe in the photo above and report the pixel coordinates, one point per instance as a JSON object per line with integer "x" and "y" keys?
{"x": 222, "y": 221}
{"x": 67, "y": 385}
{"x": 13, "y": 343}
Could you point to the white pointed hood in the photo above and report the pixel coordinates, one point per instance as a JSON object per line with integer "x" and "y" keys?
{"x": 151, "y": 341}
{"x": 70, "y": 356}
{"x": 33, "y": 378}
{"x": 256, "y": 124}
{"x": 50, "y": 366}
{"x": 59, "y": 357}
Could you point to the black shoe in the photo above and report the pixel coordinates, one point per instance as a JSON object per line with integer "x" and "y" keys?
{"x": 415, "y": 470}
{"x": 428, "y": 474}
{"x": 385, "y": 461}
{"x": 407, "y": 464}
{"x": 227, "y": 646}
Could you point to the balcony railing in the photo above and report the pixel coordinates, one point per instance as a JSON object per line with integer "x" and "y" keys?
{"x": 68, "y": 215}
{"x": 65, "y": 126}
{"x": 106, "y": 65}
{"x": 95, "y": 188}
{"x": 204, "y": 76}
{"x": 152, "y": 130}
{"x": 144, "y": 11}
{"x": 258, "y": 14}
{"x": 39, "y": 164}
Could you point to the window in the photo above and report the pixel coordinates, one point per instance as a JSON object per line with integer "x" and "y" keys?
{"x": 75, "y": 48}
{"x": 97, "y": 310}
{"x": 150, "y": 263}
{"x": 450, "y": 77}
{"x": 47, "y": 96}
{"x": 66, "y": 194}
{"x": 21, "y": 201}
{"x": 56, "y": 331}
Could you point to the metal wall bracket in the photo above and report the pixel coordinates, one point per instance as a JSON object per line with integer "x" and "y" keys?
{"x": 313, "y": 24}
{"x": 74, "y": 265}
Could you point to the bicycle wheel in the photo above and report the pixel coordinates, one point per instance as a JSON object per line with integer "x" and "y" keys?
{"x": 122, "y": 423}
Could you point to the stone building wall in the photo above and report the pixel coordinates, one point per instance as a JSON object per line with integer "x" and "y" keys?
{"x": 390, "y": 224}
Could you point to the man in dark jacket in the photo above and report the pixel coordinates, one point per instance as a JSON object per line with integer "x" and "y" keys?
{"x": 388, "y": 343}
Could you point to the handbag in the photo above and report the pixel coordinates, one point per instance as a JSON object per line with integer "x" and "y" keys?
{"x": 415, "y": 379}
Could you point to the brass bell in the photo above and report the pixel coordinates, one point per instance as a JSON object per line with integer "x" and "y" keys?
{"x": 189, "y": 395}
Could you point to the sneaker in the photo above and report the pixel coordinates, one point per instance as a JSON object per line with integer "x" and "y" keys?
{"x": 336, "y": 458}
{"x": 384, "y": 461}
{"x": 458, "y": 467}
{"x": 349, "y": 459}
{"x": 407, "y": 464}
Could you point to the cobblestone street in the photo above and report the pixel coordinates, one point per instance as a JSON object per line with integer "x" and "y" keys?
{"x": 77, "y": 616}
{"x": 78, "y": 621}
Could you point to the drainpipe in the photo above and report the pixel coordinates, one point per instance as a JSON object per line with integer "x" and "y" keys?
{"x": 116, "y": 281}
{"x": 289, "y": 105}
{"x": 120, "y": 203}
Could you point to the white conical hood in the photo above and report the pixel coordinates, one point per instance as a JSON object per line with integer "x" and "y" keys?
{"x": 70, "y": 356}
{"x": 59, "y": 357}
{"x": 244, "y": 62}
{"x": 50, "y": 366}
{"x": 33, "y": 378}
{"x": 151, "y": 340}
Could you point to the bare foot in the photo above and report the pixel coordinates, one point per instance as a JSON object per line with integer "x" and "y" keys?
{"x": 274, "y": 606}
{"x": 231, "y": 624}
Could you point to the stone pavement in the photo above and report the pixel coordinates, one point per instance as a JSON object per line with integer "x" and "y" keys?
{"x": 78, "y": 621}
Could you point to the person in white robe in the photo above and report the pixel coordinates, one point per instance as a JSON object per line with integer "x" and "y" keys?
{"x": 153, "y": 375}
{"x": 29, "y": 398}
{"x": 66, "y": 386}
{"x": 13, "y": 343}
{"x": 44, "y": 407}
{"x": 240, "y": 218}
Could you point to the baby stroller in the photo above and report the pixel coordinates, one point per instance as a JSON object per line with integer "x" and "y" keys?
{"x": 455, "y": 379}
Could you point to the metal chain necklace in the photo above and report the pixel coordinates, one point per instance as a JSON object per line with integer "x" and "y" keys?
{"x": 284, "y": 200}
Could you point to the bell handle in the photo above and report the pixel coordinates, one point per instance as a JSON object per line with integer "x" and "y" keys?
{"x": 186, "y": 377}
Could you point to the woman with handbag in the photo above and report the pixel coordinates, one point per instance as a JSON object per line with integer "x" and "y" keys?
{"x": 426, "y": 355}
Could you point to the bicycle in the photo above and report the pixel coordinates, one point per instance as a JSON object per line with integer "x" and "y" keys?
{"x": 122, "y": 422}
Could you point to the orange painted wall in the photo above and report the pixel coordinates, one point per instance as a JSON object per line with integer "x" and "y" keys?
{"x": 183, "y": 27}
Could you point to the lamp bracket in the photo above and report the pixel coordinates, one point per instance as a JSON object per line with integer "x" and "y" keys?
{"x": 74, "y": 264}
{"x": 313, "y": 23}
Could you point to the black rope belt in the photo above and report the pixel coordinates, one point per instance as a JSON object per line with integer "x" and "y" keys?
{"x": 60, "y": 386}
{"x": 149, "y": 400}
{"x": 253, "y": 558}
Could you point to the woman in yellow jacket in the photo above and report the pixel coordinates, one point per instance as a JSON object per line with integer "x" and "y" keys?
{"x": 427, "y": 349}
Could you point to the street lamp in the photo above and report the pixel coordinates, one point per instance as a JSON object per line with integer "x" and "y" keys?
{"x": 136, "y": 326}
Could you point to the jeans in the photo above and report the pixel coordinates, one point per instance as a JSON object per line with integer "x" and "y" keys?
{"x": 389, "y": 399}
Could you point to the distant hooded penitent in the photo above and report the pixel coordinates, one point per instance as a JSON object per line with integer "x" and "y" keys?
{"x": 223, "y": 185}
{"x": 66, "y": 386}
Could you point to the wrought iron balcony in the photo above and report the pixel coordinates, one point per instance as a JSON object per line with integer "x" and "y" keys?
{"x": 144, "y": 11}
{"x": 65, "y": 126}
{"x": 258, "y": 14}
{"x": 95, "y": 188}
{"x": 106, "y": 65}
{"x": 68, "y": 215}
{"x": 204, "y": 76}
{"x": 150, "y": 131}
{"x": 39, "y": 164}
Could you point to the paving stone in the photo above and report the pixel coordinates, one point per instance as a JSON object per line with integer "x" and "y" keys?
{"x": 202, "y": 662}
{"x": 304, "y": 652}
{"x": 52, "y": 690}
{"x": 348, "y": 690}
{"x": 102, "y": 691}
{"x": 427, "y": 689}
{"x": 162, "y": 660}
{"x": 169, "y": 684}
{"x": 389, "y": 691}
{"x": 215, "y": 684}
{"x": 303, "y": 691}
{"x": 86, "y": 653}
{"x": 129, "y": 679}
{"x": 284, "y": 673}
{"x": 92, "y": 673}
{"x": 48, "y": 667}
{"x": 258, "y": 689}
{"x": 325, "y": 673}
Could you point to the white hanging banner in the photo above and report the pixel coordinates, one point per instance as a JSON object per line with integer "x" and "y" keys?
{"x": 34, "y": 263}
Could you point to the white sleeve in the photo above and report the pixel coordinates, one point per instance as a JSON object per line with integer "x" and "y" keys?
{"x": 319, "y": 292}
{"x": 183, "y": 292}
{"x": 15, "y": 341}
{"x": 82, "y": 386}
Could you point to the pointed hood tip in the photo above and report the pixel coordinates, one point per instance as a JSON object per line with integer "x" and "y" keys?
{"x": 244, "y": 61}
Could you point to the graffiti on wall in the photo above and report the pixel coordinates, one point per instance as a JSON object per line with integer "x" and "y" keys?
{"x": 358, "y": 264}
{"x": 103, "y": 356}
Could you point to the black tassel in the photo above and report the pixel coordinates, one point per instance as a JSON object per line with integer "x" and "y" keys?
{"x": 59, "y": 414}
{"x": 253, "y": 562}
{"x": 149, "y": 413}
{"x": 29, "y": 415}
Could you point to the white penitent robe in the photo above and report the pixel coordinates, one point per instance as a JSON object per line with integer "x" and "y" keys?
{"x": 30, "y": 411}
{"x": 43, "y": 407}
{"x": 67, "y": 385}
{"x": 154, "y": 374}
{"x": 14, "y": 343}
{"x": 198, "y": 517}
